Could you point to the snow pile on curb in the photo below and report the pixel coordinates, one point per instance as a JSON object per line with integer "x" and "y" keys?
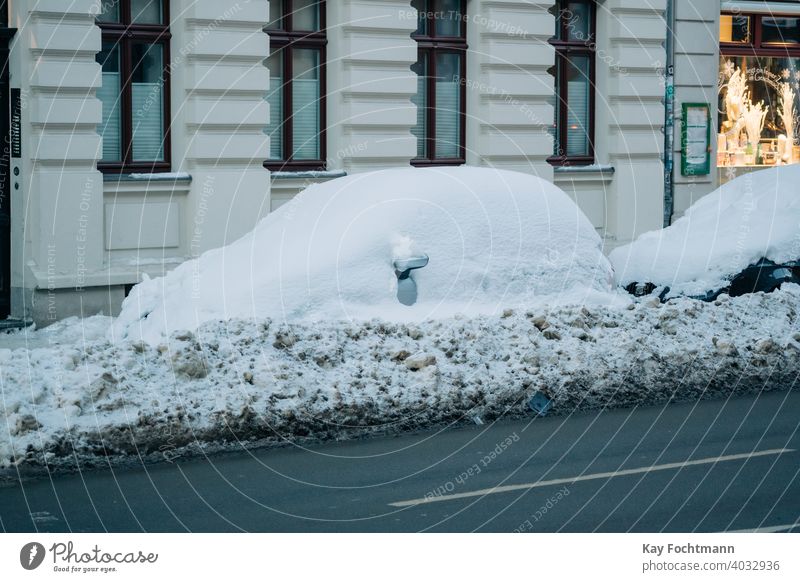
{"x": 495, "y": 239}
{"x": 756, "y": 215}
{"x": 244, "y": 380}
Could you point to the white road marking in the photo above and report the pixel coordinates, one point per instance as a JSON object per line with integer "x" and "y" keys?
{"x": 591, "y": 477}
{"x": 768, "y": 529}
{"x": 43, "y": 516}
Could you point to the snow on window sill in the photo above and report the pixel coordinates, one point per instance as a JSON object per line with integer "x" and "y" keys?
{"x": 157, "y": 177}
{"x": 308, "y": 175}
{"x": 593, "y": 168}
{"x": 592, "y": 173}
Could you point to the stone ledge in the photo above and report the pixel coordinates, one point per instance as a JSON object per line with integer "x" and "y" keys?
{"x": 592, "y": 173}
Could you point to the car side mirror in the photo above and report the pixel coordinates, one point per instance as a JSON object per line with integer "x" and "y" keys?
{"x": 406, "y": 286}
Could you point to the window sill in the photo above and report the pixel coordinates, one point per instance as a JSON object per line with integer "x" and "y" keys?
{"x": 140, "y": 177}
{"x": 418, "y": 163}
{"x": 307, "y": 175}
{"x": 295, "y": 166}
{"x": 588, "y": 173}
{"x": 571, "y": 162}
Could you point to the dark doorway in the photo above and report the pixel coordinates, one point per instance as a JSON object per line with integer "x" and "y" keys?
{"x": 5, "y": 165}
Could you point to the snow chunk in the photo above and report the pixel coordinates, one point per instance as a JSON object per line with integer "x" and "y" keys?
{"x": 496, "y": 239}
{"x": 755, "y": 216}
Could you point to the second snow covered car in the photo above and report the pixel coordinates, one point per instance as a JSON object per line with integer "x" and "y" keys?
{"x": 742, "y": 238}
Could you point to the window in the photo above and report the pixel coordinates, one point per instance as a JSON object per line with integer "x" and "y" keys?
{"x": 574, "y": 44}
{"x": 441, "y": 37}
{"x": 135, "y": 85}
{"x": 296, "y": 93}
{"x": 759, "y": 90}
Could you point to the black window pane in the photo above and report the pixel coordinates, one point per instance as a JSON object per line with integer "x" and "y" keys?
{"x": 780, "y": 30}
{"x": 448, "y": 105}
{"x": 109, "y": 11}
{"x": 109, "y": 94}
{"x": 420, "y": 99}
{"x": 147, "y": 100}
{"x": 734, "y": 28}
{"x": 422, "y": 10}
{"x": 306, "y": 95}
{"x": 275, "y": 15}
{"x": 558, "y": 147}
{"x": 578, "y": 93}
{"x": 146, "y": 11}
{"x": 305, "y": 15}
{"x": 275, "y": 100}
{"x": 577, "y": 18}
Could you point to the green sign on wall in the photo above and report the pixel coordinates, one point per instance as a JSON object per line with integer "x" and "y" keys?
{"x": 696, "y": 139}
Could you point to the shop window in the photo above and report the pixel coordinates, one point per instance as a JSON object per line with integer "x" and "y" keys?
{"x": 135, "y": 86}
{"x": 759, "y": 91}
{"x": 734, "y": 28}
{"x": 296, "y": 93}
{"x": 574, "y": 44}
{"x": 441, "y": 37}
{"x": 779, "y": 31}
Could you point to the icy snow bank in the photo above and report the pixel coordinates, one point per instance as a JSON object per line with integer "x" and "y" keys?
{"x": 244, "y": 380}
{"x": 754, "y": 216}
{"x": 495, "y": 239}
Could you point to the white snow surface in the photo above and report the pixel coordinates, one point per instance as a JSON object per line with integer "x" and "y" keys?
{"x": 756, "y": 215}
{"x": 70, "y": 395}
{"x": 496, "y": 239}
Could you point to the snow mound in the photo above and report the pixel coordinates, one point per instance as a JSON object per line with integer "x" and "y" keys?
{"x": 496, "y": 239}
{"x": 755, "y": 216}
{"x": 241, "y": 383}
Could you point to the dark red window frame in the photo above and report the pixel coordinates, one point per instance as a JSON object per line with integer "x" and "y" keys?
{"x": 428, "y": 46}
{"x": 565, "y": 49}
{"x": 755, "y": 48}
{"x": 124, "y": 34}
{"x": 286, "y": 39}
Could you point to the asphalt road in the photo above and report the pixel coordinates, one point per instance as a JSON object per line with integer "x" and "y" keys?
{"x": 707, "y": 466}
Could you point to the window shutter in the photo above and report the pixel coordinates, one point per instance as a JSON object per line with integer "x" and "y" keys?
{"x": 578, "y": 117}
{"x": 447, "y": 119}
{"x": 148, "y": 122}
{"x": 420, "y": 100}
{"x": 305, "y": 117}
{"x": 275, "y": 129}
{"x": 109, "y": 129}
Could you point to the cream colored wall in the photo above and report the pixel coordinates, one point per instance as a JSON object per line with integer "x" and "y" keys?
{"x": 630, "y": 114}
{"x": 57, "y": 198}
{"x": 219, "y": 114}
{"x": 509, "y": 99}
{"x": 509, "y": 91}
{"x": 696, "y": 73}
{"x": 370, "y": 84}
{"x": 71, "y": 228}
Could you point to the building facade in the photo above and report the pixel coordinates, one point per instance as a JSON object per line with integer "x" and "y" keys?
{"x": 141, "y": 133}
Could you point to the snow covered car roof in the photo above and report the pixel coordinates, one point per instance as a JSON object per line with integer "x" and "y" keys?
{"x": 496, "y": 239}
{"x": 755, "y": 216}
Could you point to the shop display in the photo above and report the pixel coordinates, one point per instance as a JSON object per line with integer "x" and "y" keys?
{"x": 759, "y": 91}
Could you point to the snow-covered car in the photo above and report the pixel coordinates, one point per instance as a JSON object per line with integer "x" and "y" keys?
{"x": 405, "y": 244}
{"x": 742, "y": 238}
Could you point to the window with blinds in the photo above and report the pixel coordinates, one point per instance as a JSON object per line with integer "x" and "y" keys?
{"x": 420, "y": 101}
{"x": 441, "y": 87}
{"x": 296, "y": 94}
{"x": 134, "y": 89}
{"x": 110, "y": 95}
{"x": 574, "y": 45}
